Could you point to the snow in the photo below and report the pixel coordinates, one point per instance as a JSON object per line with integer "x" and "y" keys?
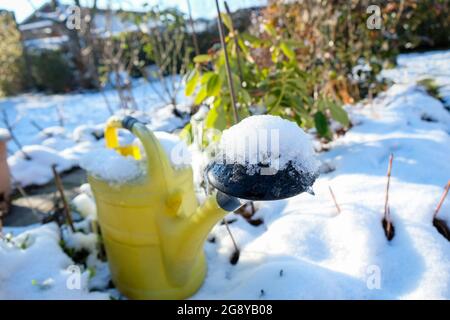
{"x": 304, "y": 249}
{"x": 85, "y": 205}
{"x": 109, "y": 165}
{"x": 41, "y": 270}
{"x": 37, "y": 170}
{"x": 324, "y": 255}
{"x": 49, "y": 43}
{"x": 4, "y": 134}
{"x": 82, "y": 131}
{"x": 269, "y": 140}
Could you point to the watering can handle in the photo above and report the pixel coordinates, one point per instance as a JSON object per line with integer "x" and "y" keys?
{"x": 158, "y": 164}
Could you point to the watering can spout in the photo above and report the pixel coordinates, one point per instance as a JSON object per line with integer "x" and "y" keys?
{"x": 190, "y": 238}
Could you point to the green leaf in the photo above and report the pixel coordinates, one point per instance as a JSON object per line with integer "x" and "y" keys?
{"x": 226, "y": 19}
{"x": 245, "y": 96}
{"x": 287, "y": 50}
{"x": 201, "y": 95}
{"x": 216, "y": 117}
{"x": 270, "y": 29}
{"x": 186, "y": 133}
{"x": 201, "y": 58}
{"x": 271, "y": 100}
{"x": 252, "y": 40}
{"x": 339, "y": 114}
{"x": 213, "y": 85}
{"x": 321, "y": 124}
{"x": 191, "y": 82}
{"x": 205, "y": 77}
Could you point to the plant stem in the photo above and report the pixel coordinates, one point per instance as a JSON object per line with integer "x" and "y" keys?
{"x": 236, "y": 44}
{"x": 9, "y": 127}
{"x": 386, "y": 201}
{"x": 194, "y": 35}
{"x": 444, "y": 195}
{"x": 60, "y": 187}
{"x": 334, "y": 199}
{"x": 227, "y": 64}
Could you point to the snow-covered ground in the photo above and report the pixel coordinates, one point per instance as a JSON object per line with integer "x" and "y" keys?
{"x": 304, "y": 249}
{"x": 83, "y": 118}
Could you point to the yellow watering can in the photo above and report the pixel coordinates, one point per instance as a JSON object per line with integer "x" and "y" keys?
{"x": 153, "y": 228}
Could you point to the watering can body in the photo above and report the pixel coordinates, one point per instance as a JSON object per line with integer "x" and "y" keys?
{"x": 152, "y": 227}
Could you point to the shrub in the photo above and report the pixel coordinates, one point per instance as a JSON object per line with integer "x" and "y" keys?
{"x": 11, "y": 63}
{"x": 302, "y": 60}
{"x": 51, "y": 71}
{"x": 268, "y": 78}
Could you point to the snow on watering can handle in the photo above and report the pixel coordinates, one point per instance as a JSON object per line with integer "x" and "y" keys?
{"x": 158, "y": 164}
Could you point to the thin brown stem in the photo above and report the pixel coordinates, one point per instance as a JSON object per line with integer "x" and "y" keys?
{"x": 9, "y": 127}
{"x": 387, "y": 211}
{"x": 386, "y": 200}
{"x": 444, "y": 195}
{"x": 236, "y": 44}
{"x": 194, "y": 35}
{"x": 235, "y": 256}
{"x": 334, "y": 200}
{"x": 227, "y": 64}
{"x": 60, "y": 188}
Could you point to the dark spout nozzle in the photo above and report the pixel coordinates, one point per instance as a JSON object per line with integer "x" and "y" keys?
{"x": 228, "y": 203}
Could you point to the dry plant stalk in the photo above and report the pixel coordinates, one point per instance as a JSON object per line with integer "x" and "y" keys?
{"x": 194, "y": 34}
{"x": 387, "y": 223}
{"x": 444, "y": 195}
{"x": 235, "y": 257}
{"x": 334, "y": 200}
{"x": 227, "y": 64}
{"x": 439, "y": 224}
{"x": 236, "y": 44}
{"x": 60, "y": 187}
{"x": 9, "y": 126}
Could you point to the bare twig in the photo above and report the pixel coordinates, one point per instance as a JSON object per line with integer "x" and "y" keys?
{"x": 60, "y": 187}
{"x": 36, "y": 125}
{"x": 60, "y": 114}
{"x": 236, "y": 44}
{"x": 227, "y": 63}
{"x": 9, "y": 127}
{"x": 194, "y": 35}
{"x": 334, "y": 200}
{"x": 444, "y": 195}
{"x": 108, "y": 105}
{"x": 23, "y": 194}
{"x": 387, "y": 213}
{"x": 386, "y": 202}
{"x": 235, "y": 257}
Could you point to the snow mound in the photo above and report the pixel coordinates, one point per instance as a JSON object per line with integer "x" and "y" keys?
{"x": 35, "y": 267}
{"x": 268, "y": 140}
{"x": 306, "y": 250}
{"x": 37, "y": 169}
{"x": 108, "y": 165}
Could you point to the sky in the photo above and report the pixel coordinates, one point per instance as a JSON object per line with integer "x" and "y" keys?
{"x": 200, "y": 8}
